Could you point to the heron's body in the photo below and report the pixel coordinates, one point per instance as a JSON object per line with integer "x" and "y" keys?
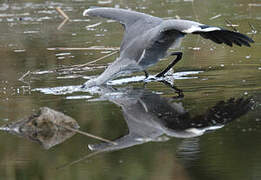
{"x": 147, "y": 39}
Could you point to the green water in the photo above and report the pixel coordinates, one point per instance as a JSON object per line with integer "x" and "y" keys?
{"x": 28, "y": 28}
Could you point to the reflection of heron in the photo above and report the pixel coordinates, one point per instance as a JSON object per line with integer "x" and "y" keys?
{"x": 147, "y": 39}
{"x": 149, "y": 117}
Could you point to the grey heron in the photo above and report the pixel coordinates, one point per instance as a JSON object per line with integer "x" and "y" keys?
{"x": 147, "y": 39}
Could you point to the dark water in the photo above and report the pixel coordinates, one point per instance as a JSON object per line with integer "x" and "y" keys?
{"x": 154, "y": 128}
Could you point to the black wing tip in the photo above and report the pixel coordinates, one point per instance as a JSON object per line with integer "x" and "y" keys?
{"x": 226, "y": 37}
{"x": 246, "y": 42}
{"x": 244, "y": 37}
{"x": 248, "y": 38}
{"x": 238, "y": 38}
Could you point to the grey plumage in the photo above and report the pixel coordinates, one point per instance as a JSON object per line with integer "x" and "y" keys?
{"x": 147, "y": 39}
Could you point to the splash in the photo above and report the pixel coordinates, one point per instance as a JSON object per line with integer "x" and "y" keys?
{"x": 65, "y": 90}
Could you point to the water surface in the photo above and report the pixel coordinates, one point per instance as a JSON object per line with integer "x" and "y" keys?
{"x": 153, "y": 113}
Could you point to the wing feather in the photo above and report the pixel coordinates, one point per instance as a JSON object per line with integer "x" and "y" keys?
{"x": 125, "y": 17}
{"x": 135, "y": 23}
{"x": 227, "y": 37}
{"x": 216, "y": 34}
{"x": 145, "y": 22}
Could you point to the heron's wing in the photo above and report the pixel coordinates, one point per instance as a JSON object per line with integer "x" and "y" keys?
{"x": 125, "y": 17}
{"x": 216, "y": 34}
{"x": 135, "y": 23}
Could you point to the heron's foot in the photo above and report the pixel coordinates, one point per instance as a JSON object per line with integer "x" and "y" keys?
{"x": 178, "y": 91}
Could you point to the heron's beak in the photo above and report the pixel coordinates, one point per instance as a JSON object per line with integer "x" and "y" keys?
{"x": 85, "y": 12}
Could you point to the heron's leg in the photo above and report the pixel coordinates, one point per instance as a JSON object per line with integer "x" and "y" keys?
{"x": 177, "y": 90}
{"x": 146, "y": 74}
{"x": 179, "y": 56}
